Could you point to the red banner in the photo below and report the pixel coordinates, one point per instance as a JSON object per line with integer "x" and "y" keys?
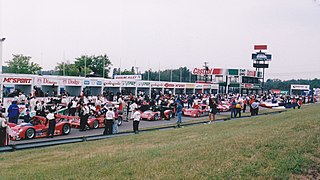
{"x": 260, "y": 47}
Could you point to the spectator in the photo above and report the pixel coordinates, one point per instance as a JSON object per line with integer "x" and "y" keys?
{"x": 4, "y": 138}
{"x": 13, "y": 112}
{"x": 52, "y": 123}
{"x": 115, "y": 123}
{"x": 179, "y": 114}
{"x": 238, "y": 109}
{"x": 213, "y": 110}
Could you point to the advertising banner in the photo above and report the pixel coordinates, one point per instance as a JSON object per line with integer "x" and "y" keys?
{"x": 17, "y": 80}
{"x": 71, "y": 82}
{"x": 128, "y": 77}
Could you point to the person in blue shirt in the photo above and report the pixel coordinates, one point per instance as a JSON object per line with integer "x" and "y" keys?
{"x": 179, "y": 114}
{"x": 13, "y": 112}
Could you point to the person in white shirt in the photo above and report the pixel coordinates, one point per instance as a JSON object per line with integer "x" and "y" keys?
{"x": 136, "y": 120}
{"x": 108, "y": 122}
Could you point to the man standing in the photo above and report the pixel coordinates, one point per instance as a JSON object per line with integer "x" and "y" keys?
{"x": 13, "y": 112}
{"x": 136, "y": 120}
{"x": 52, "y": 123}
{"x": 3, "y": 131}
{"x": 109, "y": 118}
{"x": 179, "y": 113}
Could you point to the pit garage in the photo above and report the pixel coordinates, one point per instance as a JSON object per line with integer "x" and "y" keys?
{"x": 72, "y": 85}
{"x": 17, "y": 84}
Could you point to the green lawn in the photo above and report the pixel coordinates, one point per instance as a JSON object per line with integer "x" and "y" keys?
{"x": 285, "y": 145}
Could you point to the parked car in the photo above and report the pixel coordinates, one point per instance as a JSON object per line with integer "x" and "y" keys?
{"x": 38, "y": 127}
{"x": 196, "y": 112}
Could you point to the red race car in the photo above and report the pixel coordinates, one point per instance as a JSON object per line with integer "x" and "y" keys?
{"x": 94, "y": 122}
{"x": 223, "y": 106}
{"x": 38, "y": 127}
{"x": 155, "y": 115}
{"x": 202, "y": 110}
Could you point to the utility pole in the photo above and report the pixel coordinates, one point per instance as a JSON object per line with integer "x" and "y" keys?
{"x": 206, "y": 67}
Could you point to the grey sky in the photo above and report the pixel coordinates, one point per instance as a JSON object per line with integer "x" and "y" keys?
{"x": 166, "y": 33}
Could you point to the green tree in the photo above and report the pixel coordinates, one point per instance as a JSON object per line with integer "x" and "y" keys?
{"x": 21, "y": 64}
{"x": 95, "y": 64}
{"x": 68, "y": 69}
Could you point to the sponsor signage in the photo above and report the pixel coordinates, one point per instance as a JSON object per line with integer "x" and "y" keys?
{"x": 207, "y": 86}
{"x": 143, "y": 84}
{"x": 128, "y": 77}
{"x": 261, "y": 57}
{"x": 300, "y": 87}
{"x": 71, "y": 82}
{"x": 17, "y": 80}
{"x": 112, "y": 83}
{"x": 129, "y": 83}
{"x": 198, "y": 86}
{"x": 214, "y": 86}
{"x": 86, "y": 82}
{"x": 190, "y": 86}
{"x": 247, "y": 86}
{"x": 47, "y": 81}
{"x": 180, "y": 85}
{"x": 260, "y": 47}
{"x": 169, "y": 85}
{"x": 251, "y": 73}
{"x": 157, "y": 85}
{"x": 210, "y": 71}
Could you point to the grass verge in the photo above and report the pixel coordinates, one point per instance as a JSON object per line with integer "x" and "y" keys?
{"x": 284, "y": 145}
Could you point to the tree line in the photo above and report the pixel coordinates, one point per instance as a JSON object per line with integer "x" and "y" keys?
{"x": 100, "y": 66}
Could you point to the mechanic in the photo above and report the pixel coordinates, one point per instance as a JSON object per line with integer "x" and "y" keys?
{"x": 136, "y": 120}
{"x": 13, "y": 112}
{"x": 109, "y": 118}
{"x": 52, "y": 123}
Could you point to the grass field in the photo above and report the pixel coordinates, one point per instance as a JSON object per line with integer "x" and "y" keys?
{"x": 285, "y": 145}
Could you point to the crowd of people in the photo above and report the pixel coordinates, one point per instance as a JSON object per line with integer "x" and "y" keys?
{"x": 130, "y": 107}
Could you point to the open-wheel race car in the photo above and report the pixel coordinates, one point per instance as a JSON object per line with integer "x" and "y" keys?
{"x": 202, "y": 110}
{"x": 39, "y": 127}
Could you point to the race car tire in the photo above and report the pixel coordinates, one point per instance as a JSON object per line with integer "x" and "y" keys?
{"x": 66, "y": 129}
{"x": 156, "y": 117}
{"x": 169, "y": 116}
{"x": 119, "y": 121}
{"x": 95, "y": 124}
{"x": 30, "y": 133}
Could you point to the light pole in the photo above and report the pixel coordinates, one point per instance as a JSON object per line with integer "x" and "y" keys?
{"x": 1, "y": 85}
{"x": 1, "y": 41}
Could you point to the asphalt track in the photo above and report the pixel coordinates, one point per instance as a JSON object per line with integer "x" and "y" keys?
{"x": 125, "y": 127}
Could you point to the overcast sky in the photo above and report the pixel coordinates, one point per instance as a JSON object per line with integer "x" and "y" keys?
{"x": 166, "y": 33}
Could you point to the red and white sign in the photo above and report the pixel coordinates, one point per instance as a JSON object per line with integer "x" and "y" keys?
{"x": 247, "y": 86}
{"x": 128, "y": 77}
{"x": 180, "y": 85}
{"x": 251, "y": 73}
{"x": 17, "y": 80}
{"x": 169, "y": 85}
{"x": 46, "y": 81}
{"x": 260, "y": 47}
{"x": 211, "y": 71}
{"x": 71, "y": 82}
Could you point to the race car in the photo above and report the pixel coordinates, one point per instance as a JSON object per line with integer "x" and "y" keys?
{"x": 156, "y": 115}
{"x": 223, "y": 106}
{"x": 94, "y": 122}
{"x": 38, "y": 127}
{"x": 202, "y": 110}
